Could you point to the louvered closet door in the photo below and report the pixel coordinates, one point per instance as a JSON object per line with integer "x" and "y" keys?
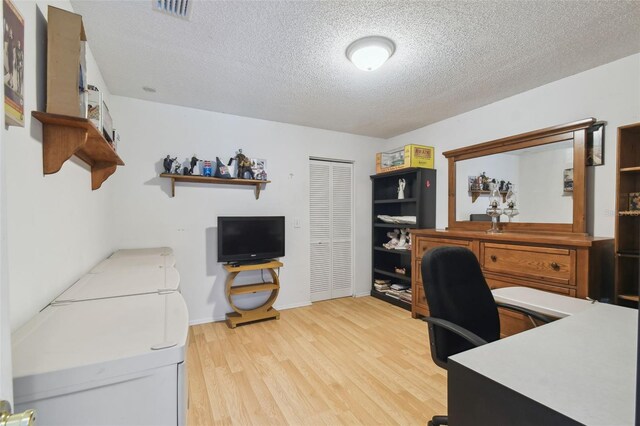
{"x": 331, "y": 209}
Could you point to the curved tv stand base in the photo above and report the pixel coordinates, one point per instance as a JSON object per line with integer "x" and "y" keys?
{"x": 266, "y": 310}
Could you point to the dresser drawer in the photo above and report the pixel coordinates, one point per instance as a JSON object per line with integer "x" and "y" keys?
{"x": 425, "y": 244}
{"x": 552, "y": 265}
{"x": 420, "y": 298}
{"x": 498, "y": 281}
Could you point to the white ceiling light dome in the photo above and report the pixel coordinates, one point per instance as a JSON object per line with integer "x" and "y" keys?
{"x": 369, "y": 53}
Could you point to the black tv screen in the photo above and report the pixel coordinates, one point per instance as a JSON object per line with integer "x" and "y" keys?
{"x": 242, "y": 239}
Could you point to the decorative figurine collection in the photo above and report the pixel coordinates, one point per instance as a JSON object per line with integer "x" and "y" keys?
{"x": 245, "y": 167}
{"x": 400, "y": 239}
{"x": 483, "y": 183}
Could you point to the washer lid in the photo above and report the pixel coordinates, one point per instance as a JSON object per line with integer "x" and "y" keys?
{"x": 122, "y": 282}
{"x": 131, "y": 262}
{"x": 156, "y": 251}
{"x": 71, "y": 345}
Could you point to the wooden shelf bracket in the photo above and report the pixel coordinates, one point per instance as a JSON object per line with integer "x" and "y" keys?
{"x": 54, "y": 153}
{"x": 65, "y": 136}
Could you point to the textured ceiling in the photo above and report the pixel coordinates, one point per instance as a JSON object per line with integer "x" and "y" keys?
{"x": 285, "y": 61}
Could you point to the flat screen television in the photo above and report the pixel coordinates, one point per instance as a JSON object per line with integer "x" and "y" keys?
{"x": 247, "y": 239}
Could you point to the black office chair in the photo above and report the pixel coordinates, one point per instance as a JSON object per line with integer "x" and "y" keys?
{"x": 464, "y": 314}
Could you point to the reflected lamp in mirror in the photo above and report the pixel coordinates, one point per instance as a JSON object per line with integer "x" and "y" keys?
{"x": 510, "y": 210}
{"x": 494, "y": 211}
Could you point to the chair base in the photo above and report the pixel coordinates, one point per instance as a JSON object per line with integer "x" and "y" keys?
{"x": 438, "y": 421}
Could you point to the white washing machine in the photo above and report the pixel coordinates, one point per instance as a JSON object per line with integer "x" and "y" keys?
{"x": 154, "y": 251}
{"x": 111, "y": 361}
{"x": 132, "y": 262}
{"x": 122, "y": 282}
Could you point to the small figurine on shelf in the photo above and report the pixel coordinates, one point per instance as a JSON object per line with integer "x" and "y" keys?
{"x": 401, "y": 271}
{"x": 167, "y": 163}
{"x": 194, "y": 162}
{"x": 402, "y": 240}
{"x": 393, "y": 242}
{"x": 401, "y": 185}
{"x": 207, "y": 170}
{"x": 243, "y": 165}
{"x": 176, "y": 167}
{"x": 186, "y": 167}
{"x": 222, "y": 171}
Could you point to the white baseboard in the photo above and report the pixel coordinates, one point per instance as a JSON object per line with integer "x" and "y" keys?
{"x": 206, "y": 320}
{"x": 293, "y": 305}
{"x": 362, "y": 294}
{"x": 222, "y": 318}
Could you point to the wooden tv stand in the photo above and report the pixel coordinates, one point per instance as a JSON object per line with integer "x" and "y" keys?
{"x": 265, "y": 311}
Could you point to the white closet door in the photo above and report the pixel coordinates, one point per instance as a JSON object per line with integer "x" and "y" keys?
{"x": 331, "y": 210}
{"x": 320, "y": 223}
{"x": 341, "y": 230}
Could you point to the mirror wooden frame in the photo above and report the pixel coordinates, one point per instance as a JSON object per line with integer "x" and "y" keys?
{"x": 575, "y": 131}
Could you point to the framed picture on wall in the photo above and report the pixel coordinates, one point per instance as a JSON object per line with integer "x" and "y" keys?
{"x": 13, "y": 25}
{"x": 568, "y": 180}
{"x": 595, "y": 145}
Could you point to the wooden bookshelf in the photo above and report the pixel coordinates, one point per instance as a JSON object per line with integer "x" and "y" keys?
{"x": 627, "y": 226}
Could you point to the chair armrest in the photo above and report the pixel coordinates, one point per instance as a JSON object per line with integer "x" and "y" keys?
{"x": 533, "y": 314}
{"x": 470, "y": 337}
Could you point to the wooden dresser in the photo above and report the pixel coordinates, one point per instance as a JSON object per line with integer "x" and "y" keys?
{"x": 571, "y": 265}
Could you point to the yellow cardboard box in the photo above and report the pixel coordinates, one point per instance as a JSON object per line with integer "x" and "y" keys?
{"x": 404, "y": 157}
{"x": 66, "y": 68}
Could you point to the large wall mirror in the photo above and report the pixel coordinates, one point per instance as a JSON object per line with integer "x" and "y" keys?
{"x": 546, "y": 169}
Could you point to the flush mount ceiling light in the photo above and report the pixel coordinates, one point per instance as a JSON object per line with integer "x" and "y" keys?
{"x": 369, "y": 53}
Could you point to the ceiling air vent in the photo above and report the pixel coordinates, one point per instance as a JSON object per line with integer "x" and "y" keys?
{"x": 178, "y": 8}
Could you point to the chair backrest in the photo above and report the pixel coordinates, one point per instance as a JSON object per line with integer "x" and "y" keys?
{"x": 457, "y": 292}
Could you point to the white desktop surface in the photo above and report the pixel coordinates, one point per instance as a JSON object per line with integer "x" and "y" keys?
{"x": 554, "y": 305}
{"x": 582, "y": 366}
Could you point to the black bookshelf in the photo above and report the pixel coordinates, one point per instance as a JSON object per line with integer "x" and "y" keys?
{"x": 419, "y": 201}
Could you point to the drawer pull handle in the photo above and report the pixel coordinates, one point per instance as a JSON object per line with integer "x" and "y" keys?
{"x": 555, "y": 266}
{"x": 494, "y": 258}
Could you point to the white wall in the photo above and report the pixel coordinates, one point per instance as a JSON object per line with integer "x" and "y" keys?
{"x": 498, "y": 166}
{"x": 146, "y": 215}
{"x": 540, "y": 192}
{"x": 610, "y": 92}
{"x": 57, "y": 228}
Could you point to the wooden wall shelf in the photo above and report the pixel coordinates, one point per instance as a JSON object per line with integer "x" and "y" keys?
{"x": 213, "y": 180}
{"x": 475, "y": 193}
{"x": 64, "y": 136}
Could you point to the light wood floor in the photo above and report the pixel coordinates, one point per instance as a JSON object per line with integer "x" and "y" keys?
{"x": 344, "y": 361}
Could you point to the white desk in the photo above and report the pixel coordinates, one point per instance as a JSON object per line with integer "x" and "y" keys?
{"x": 577, "y": 370}
{"x": 553, "y": 305}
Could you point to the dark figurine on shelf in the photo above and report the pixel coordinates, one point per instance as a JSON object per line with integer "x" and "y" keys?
{"x": 194, "y": 162}
{"x": 167, "y": 163}
{"x": 502, "y": 186}
{"x": 176, "y": 167}
{"x": 243, "y": 165}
